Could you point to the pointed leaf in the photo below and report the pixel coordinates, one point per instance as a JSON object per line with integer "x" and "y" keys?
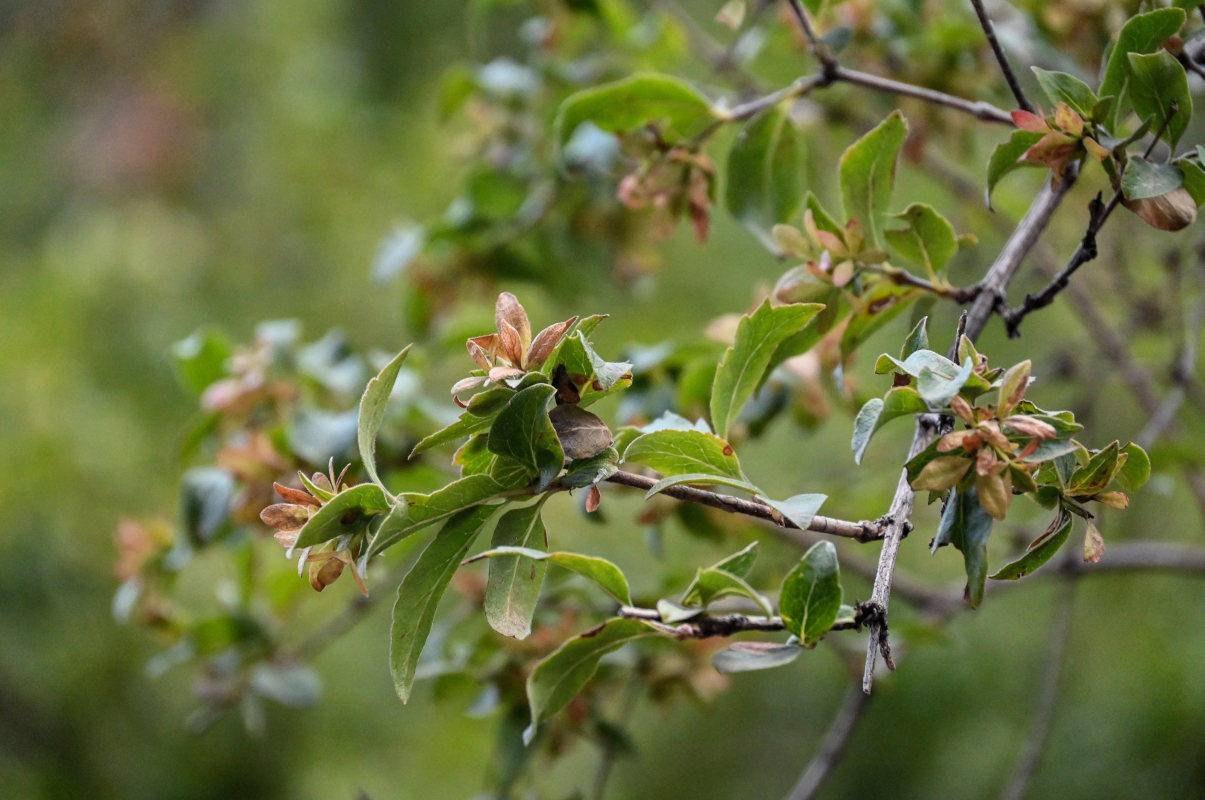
{"x": 1040, "y": 551}
{"x": 740, "y": 371}
{"x": 898, "y": 402}
{"x": 372, "y": 412}
{"x": 412, "y": 512}
{"x": 763, "y": 177}
{"x": 967, "y": 526}
{"x": 918, "y": 339}
{"x": 420, "y": 592}
{"x": 599, "y": 570}
{"x": 558, "y": 678}
{"x": 711, "y": 584}
{"x": 873, "y": 310}
{"x": 867, "y": 175}
{"x": 699, "y": 479}
{"x": 1012, "y": 388}
{"x": 1007, "y": 157}
{"x": 800, "y": 509}
{"x": 811, "y": 593}
{"x": 1063, "y": 88}
{"x": 740, "y": 562}
{"x": 349, "y": 511}
{"x": 749, "y": 656}
{"x": 513, "y": 587}
{"x": 937, "y": 389}
{"x": 672, "y": 452}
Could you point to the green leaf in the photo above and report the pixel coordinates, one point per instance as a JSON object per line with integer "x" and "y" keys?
{"x": 740, "y": 562}
{"x": 740, "y": 371}
{"x": 867, "y": 174}
{"x": 512, "y": 588}
{"x": 349, "y": 511}
{"x": 1040, "y": 551}
{"x": 1012, "y": 388}
{"x": 1094, "y": 476}
{"x": 898, "y": 402}
{"x": 763, "y": 183}
{"x": 1144, "y": 178}
{"x": 672, "y": 452}
{"x": 206, "y": 494}
{"x": 372, "y": 412}
{"x": 1063, "y": 88}
{"x": 1194, "y": 179}
{"x": 929, "y": 239}
{"x": 1006, "y": 158}
{"x": 589, "y": 471}
{"x": 1143, "y": 33}
{"x": 918, "y": 339}
{"x": 1157, "y": 83}
{"x": 1136, "y": 470}
{"x": 711, "y": 583}
{"x": 873, "y": 310}
{"x": 749, "y": 656}
{"x": 811, "y": 593}
{"x": 465, "y": 426}
{"x": 420, "y": 592}
{"x": 523, "y": 431}
{"x": 674, "y": 105}
{"x": 412, "y": 512}
{"x": 599, "y": 570}
{"x": 800, "y": 509}
{"x": 937, "y": 389}
{"x": 699, "y": 478}
{"x": 201, "y": 359}
{"x": 967, "y": 526}
{"x": 558, "y": 678}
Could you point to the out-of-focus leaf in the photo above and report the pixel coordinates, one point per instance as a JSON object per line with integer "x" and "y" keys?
{"x": 523, "y": 431}
{"x": 741, "y": 370}
{"x": 763, "y": 184}
{"x": 558, "y": 678}
{"x": 205, "y": 497}
{"x": 512, "y": 588}
{"x": 349, "y": 511}
{"x": 317, "y": 436}
{"x": 599, "y": 570}
{"x": 1194, "y": 179}
{"x": 867, "y": 175}
{"x": 420, "y": 591}
{"x": 372, "y": 412}
{"x": 672, "y": 452}
{"x": 749, "y": 656}
{"x": 1094, "y": 476}
{"x": 1136, "y": 469}
{"x": 918, "y": 339}
{"x": 811, "y": 593}
{"x": 635, "y": 101}
{"x": 1143, "y": 33}
{"x": 1040, "y": 551}
{"x": 200, "y": 360}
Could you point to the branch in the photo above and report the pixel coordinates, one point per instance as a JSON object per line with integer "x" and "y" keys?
{"x": 832, "y": 746}
{"x": 976, "y": 108}
{"x": 989, "y": 30}
{"x": 858, "y": 531}
{"x": 1047, "y": 702}
{"x": 705, "y": 626}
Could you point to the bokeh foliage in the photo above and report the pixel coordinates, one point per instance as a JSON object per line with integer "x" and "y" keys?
{"x": 178, "y": 164}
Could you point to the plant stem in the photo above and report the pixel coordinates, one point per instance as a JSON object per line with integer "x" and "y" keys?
{"x": 989, "y": 30}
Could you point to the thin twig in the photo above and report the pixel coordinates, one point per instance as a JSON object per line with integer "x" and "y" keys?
{"x": 831, "y": 747}
{"x": 818, "y": 48}
{"x": 989, "y": 30}
{"x": 858, "y": 531}
{"x": 1047, "y": 700}
{"x": 979, "y": 109}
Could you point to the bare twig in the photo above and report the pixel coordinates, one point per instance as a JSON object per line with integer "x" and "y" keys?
{"x": 706, "y": 626}
{"x": 858, "y": 531}
{"x": 818, "y": 48}
{"x": 989, "y": 30}
{"x": 831, "y": 747}
{"x": 1047, "y": 701}
{"x": 977, "y": 108}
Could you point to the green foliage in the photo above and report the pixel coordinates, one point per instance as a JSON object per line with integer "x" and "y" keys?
{"x": 811, "y": 594}
{"x": 763, "y": 178}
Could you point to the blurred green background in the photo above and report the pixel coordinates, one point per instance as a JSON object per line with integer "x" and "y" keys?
{"x": 174, "y": 163}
